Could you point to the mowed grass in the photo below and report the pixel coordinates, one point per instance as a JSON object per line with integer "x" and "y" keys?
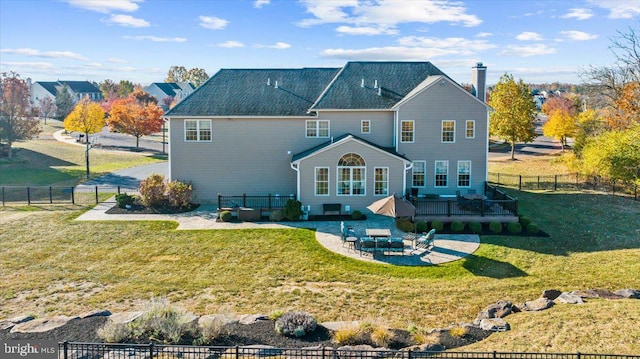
{"x": 51, "y": 264}
{"x": 47, "y": 162}
{"x": 530, "y": 166}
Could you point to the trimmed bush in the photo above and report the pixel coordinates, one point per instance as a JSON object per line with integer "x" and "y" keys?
{"x": 276, "y": 215}
{"x": 533, "y": 228}
{"x": 178, "y": 194}
{"x": 226, "y": 216}
{"x": 475, "y": 227}
{"x": 495, "y": 227}
{"x": 514, "y": 227}
{"x": 437, "y": 225}
{"x": 405, "y": 225}
{"x": 123, "y": 199}
{"x": 524, "y": 221}
{"x": 356, "y": 215}
{"x": 152, "y": 191}
{"x": 296, "y": 324}
{"x": 347, "y": 335}
{"x": 293, "y": 210}
{"x": 422, "y": 227}
{"x": 457, "y": 226}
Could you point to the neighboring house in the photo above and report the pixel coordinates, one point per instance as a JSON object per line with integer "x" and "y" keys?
{"x": 175, "y": 90}
{"x": 77, "y": 90}
{"x": 346, "y": 135}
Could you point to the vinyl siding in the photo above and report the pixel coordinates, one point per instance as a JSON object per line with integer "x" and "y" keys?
{"x": 344, "y": 122}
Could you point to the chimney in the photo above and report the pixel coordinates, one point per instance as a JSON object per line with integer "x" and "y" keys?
{"x": 479, "y": 81}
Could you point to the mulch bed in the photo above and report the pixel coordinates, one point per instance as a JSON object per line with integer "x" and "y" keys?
{"x": 140, "y": 209}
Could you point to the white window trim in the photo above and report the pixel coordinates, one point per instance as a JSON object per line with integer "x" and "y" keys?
{"x": 435, "y": 174}
{"x": 317, "y": 122}
{"x": 362, "y": 126}
{"x": 424, "y": 173}
{"x": 315, "y": 182}
{"x": 364, "y": 175}
{"x": 374, "y": 182}
{"x": 413, "y": 131}
{"x": 442, "y": 131}
{"x": 197, "y": 131}
{"x": 458, "y": 174}
{"x": 474, "y": 129}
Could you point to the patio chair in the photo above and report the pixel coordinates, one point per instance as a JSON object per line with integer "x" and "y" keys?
{"x": 367, "y": 245}
{"x": 348, "y": 236}
{"x": 426, "y": 241}
{"x": 396, "y": 245}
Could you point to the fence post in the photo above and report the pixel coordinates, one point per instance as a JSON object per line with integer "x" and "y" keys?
{"x": 498, "y": 178}
{"x": 29, "y": 196}
{"x": 244, "y": 200}
{"x": 323, "y": 354}
{"x": 96, "y": 194}
{"x": 73, "y": 198}
{"x": 538, "y": 182}
{"x": 519, "y": 182}
{"x": 151, "y": 350}
{"x": 50, "y": 196}
{"x": 448, "y": 208}
{"x": 118, "y": 189}
{"x": 237, "y": 351}
{"x": 65, "y": 347}
{"x": 2, "y": 196}
{"x": 578, "y": 355}
{"x": 269, "y": 201}
{"x": 495, "y": 354}
{"x": 555, "y": 182}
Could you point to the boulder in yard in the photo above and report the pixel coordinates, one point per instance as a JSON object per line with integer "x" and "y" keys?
{"x": 536, "y": 305}
{"x": 500, "y": 309}
{"x": 494, "y": 325}
{"x": 551, "y": 294}
{"x": 568, "y": 298}
{"x": 42, "y": 325}
{"x": 628, "y": 293}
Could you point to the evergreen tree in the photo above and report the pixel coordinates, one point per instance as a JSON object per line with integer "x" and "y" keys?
{"x": 64, "y": 102}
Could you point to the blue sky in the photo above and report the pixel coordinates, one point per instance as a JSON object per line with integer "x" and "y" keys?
{"x": 136, "y": 40}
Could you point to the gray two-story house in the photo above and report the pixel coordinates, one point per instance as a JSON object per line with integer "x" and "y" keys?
{"x": 347, "y": 135}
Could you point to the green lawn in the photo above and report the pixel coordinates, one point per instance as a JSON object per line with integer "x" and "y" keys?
{"x": 52, "y": 264}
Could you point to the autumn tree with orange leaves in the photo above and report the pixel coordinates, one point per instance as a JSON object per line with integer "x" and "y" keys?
{"x": 136, "y": 116}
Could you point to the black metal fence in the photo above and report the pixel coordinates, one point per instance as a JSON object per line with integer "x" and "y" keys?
{"x": 151, "y": 351}
{"x": 496, "y": 203}
{"x": 39, "y": 195}
{"x": 568, "y": 180}
{"x": 267, "y": 202}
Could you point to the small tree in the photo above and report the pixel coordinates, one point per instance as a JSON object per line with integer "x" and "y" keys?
{"x": 47, "y": 107}
{"x": 88, "y": 118}
{"x": 135, "y": 118}
{"x": 64, "y": 102}
{"x": 293, "y": 210}
{"x": 514, "y": 115}
{"x": 125, "y": 87}
{"x": 16, "y": 121}
{"x": 560, "y": 126}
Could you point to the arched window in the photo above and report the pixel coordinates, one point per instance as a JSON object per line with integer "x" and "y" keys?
{"x": 351, "y": 175}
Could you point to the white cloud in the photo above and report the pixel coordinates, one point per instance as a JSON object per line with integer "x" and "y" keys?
{"x": 106, "y": 6}
{"x": 45, "y": 54}
{"x": 529, "y": 36}
{"x": 387, "y": 13}
{"x": 231, "y": 44}
{"x": 213, "y": 23}
{"x": 578, "y": 35}
{"x": 619, "y": 9}
{"x": 365, "y": 30}
{"x": 127, "y": 21}
{"x": 279, "y": 46}
{"x": 389, "y": 53}
{"x": 156, "y": 38}
{"x": 453, "y": 45}
{"x": 260, "y": 3}
{"x": 578, "y": 14}
{"x": 484, "y": 34}
{"x": 528, "y": 50}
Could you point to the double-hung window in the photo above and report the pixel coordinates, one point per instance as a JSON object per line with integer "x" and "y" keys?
{"x": 197, "y": 130}
{"x": 449, "y": 131}
{"x": 419, "y": 173}
{"x": 317, "y": 129}
{"x": 365, "y": 126}
{"x": 351, "y": 175}
{"x": 464, "y": 173}
{"x": 406, "y": 131}
{"x": 322, "y": 181}
{"x": 470, "y": 129}
{"x": 442, "y": 170}
{"x": 381, "y": 184}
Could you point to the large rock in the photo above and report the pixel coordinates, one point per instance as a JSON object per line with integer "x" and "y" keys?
{"x": 95, "y": 313}
{"x": 7, "y": 324}
{"x": 500, "y": 309}
{"x": 551, "y": 294}
{"x": 252, "y": 318}
{"x": 628, "y": 293}
{"x": 585, "y": 294}
{"x": 596, "y": 293}
{"x": 568, "y": 298}
{"x": 606, "y": 294}
{"x": 42, "y": 325}
{"x": 494, "y": 325}
{"x": 360, "y": 351}
{"x": 536, "y": 305}
{"x": 124, "y": 317}
{"x": 417, "y": 350}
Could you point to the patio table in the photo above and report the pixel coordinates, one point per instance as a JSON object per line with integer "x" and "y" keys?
{"x": 377, "y": 233}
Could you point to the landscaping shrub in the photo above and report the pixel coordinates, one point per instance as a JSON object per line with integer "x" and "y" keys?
{"x": 163, "y": 322}
{"x": 296, "y": 324}
{"x": 437, "y": 225}
{"x": 276, "y": 314}
{"x": 211, "y": 328}
{"x": 381, "y": 336}
{"x": 533, "y": 228}
{"x": 475, "y": 227}
{"x": 226, "y": 216}
{"x": 356, "y": 215}
{"x": 113, "y": 332}
{"x": 458, "y": 332}
{"x": 347, "y": 335}
{"x": 405, "y": 225}
{"x": 495, "y": 227}
{"x": 293, "y": 210}
{"x": 422, "y": 227}
{"x": 524, "y": 221}
{"x": 178, "y": 194}
{"x": 276, "y": 215}
{"x": 152, "y": 191}
{"x": 123, "y": 199}
{"x": 457, "y": 226}
{"x": 514, "y": 227}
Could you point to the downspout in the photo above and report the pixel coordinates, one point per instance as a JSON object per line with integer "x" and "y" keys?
{"x": 168, "y": 135}
{"x": 395, "y": 129}
{"x": 486, "y": 154}
{"x": 295, "y": 168}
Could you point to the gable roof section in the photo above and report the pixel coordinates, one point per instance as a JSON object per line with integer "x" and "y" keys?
{"x": 167, "y": 87}
{"x": 80, "y": 86}
{"x": 49, "y": 86}
{"x": 396, "y": 80}
{"x": 432, "y": 81}
{"x": 338, "y": 141}
{"x": 252, "y": 92}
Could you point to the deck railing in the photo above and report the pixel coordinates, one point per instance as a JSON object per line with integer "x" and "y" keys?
{"x": 267, "y": 202}
{"x": 497, "y": 203}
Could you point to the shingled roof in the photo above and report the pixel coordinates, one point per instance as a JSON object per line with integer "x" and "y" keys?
{"x": 169, "y": 88}
{"x": 80, "y": 86}
{"x": 253, "y": 92}
{"x": 385, "y": 83}
{"x": 49, "y": 86}
{"x": 310, "y": 151}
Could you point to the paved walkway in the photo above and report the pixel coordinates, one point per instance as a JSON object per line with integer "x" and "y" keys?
{"x": 447, "y": 247}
